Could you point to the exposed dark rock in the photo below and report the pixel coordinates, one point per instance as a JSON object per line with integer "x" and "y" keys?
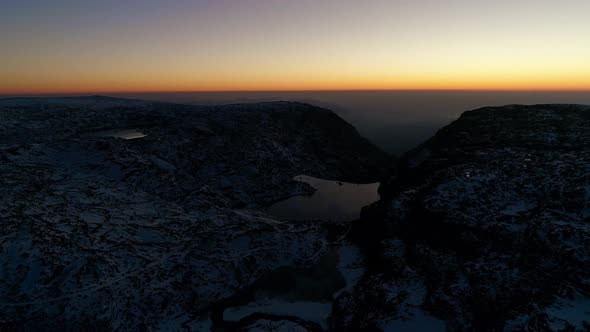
{"x": 148, "y": 233}
{"x": 484, "y": 227}
{"x": 491, "y": 217}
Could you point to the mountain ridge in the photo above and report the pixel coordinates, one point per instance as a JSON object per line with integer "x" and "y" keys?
{"x": 488, "y": 222}
{"x": 114, "y": 234}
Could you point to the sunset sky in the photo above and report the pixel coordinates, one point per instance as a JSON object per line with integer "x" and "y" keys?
{"x": 219, "y": 45}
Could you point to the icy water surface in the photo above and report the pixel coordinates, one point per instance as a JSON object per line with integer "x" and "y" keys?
{"x": 332, "y": 201}
{"x": 121, "y": 133}
{"x": 304, "y": 293}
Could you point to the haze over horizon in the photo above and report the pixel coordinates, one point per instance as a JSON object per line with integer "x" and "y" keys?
{"x": 108, "y": 46}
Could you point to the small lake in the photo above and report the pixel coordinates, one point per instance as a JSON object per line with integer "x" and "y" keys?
{"x": 332, "y": 201}
{"x": 306, "y": 293}
{"x": 120, "y": 133}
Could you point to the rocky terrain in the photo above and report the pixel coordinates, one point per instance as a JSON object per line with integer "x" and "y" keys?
{"x": 484, "y": 227}
{"x": 106, "y": 233}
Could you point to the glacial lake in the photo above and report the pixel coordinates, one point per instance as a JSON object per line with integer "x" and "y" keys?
{"x": 303, "y": 292}
{"x": 120, "y": 133}
{"x": 332, "y": 201}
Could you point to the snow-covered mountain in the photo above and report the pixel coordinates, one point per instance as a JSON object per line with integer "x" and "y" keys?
{"x": 485, "y": 227}
{"x": 109, "y": 233}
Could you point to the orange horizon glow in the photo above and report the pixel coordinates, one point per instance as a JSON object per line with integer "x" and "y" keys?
{"x": 299, "y": 81}
{"x": 272, "y": 45}
{"x": 10, "y": 94}
{"x": 567, "y": 85}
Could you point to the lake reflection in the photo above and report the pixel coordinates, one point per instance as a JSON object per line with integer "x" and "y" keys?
{"x": 332, "y": 201}
{"x": 121, "y": 133}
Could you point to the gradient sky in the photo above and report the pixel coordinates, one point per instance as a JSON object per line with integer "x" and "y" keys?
{"x": 209, "y": 45}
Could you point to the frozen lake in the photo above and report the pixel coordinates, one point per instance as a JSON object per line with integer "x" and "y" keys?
{"x": 120, "y": 133}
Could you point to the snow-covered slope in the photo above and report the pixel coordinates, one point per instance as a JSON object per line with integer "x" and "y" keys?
{"x": 149, "y": 233}
{"x": 487, "y": 223}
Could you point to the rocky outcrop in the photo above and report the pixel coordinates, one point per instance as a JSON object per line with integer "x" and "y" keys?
{"x": 485, "y": 227}
{"x": 107, "y": 233}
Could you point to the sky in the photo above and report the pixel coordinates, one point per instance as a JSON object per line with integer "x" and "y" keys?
{"x": 78, "y": 46}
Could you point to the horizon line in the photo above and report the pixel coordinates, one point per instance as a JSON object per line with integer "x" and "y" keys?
{"x": 93, "y": 93}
